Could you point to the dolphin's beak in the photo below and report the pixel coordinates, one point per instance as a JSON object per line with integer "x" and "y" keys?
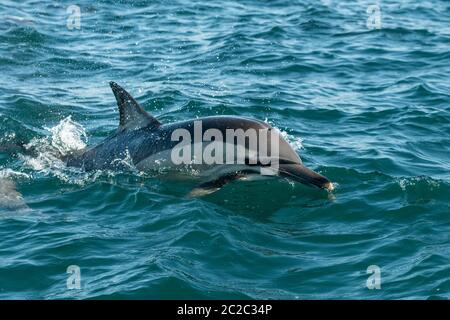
{"x": 302, "y": 174}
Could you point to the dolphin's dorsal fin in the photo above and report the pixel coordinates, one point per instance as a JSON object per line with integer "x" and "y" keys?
{"x": 132, "y": 115}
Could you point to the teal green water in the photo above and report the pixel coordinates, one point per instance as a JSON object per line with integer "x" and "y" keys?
{"x": 370, "y": 109}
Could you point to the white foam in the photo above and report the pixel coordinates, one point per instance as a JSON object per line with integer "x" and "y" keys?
{"x": 404, "y": 183}
{"x": 10, "y": 173}
{"x": 67, "y": 136}
{"x": 295, "y": 142}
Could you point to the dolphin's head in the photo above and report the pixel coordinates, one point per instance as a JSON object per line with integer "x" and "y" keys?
{"x": 291, "y": 166}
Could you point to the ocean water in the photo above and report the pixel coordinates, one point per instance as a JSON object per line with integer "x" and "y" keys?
{"x": 361, "y": 89}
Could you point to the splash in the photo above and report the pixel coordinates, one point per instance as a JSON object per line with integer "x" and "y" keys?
{"x": 295, "y": 142}
{"x": 411, "y": 182}
{"x": 126, "y": 162}
{"x": 8, "y": 173}
{"x": 9, "y": 136}
{"x": 67, "y": 136}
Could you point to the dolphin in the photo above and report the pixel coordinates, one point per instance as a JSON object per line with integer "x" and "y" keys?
{"x": 149, "y": 145}
{"x": 10, "y": 198}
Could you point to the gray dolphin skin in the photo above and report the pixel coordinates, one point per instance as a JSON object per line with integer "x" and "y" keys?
{"x": 149, "y": 145}
{"x": 10, "y": 198}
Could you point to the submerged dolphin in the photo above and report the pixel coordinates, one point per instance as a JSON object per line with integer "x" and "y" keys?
{"x": 150, "y": 145}
{"x": 10, "y": 198}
